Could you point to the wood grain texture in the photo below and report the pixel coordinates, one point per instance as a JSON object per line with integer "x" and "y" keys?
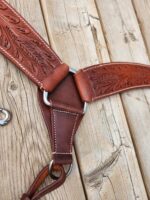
{"x": 103, "y": 143}
{"x": 143, "y": 15}
{"x": 24, "y": 143}
{"x": 125, "y": 42}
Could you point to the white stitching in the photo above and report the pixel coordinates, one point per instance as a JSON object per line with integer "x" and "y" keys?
{"x": 30, "y": 27}
{"x": 60, "y": 153}
{"x": 112, "y": 63}
{"x": 71, "y": 141}
{"x": 96, "y": 66}
{"x": 70, "y": 145}
{"x": 42, "y": 40}
{"x": 67, "y": 107}
{"x": 54, "y": 117}
{"x": 67, "y": 112}
{"x": 24, "y": 69}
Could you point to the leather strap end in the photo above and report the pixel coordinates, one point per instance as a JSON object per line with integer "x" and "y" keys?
{"x": 62, "y": 159}
{"x": 34, "y": 193}
{"x": 83, "y": 86}
{"x": 59, "y": 73}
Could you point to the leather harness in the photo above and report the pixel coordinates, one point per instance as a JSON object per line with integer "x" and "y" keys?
{"x": 63, "y": 93}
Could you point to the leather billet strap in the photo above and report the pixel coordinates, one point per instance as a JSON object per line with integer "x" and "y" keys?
{"x": 102, "y": 80}
{"x": 21, "y": 44}
{"x": 68, "y": 92}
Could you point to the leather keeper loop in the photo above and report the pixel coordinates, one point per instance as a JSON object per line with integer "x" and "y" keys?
{"x": 83, "y": 86}
{"x": 58, "y": 74}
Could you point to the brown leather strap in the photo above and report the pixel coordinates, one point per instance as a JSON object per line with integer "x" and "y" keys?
{"x": 21, "y": 44}
{"x": 62, "y": 118}
{"x": 32, "y": 193}
{"x": 103, "y": 80}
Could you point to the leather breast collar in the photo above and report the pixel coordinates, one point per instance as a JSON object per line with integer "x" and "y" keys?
{"x": 63, "y": 93}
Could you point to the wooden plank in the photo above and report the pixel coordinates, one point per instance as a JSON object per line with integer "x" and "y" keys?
{"x": 24, "y": 143}
{"x": 143, "y": 16}
{"x": 142, "y": 9}
{"x": 125, "y": 42}
{"x": 103, "y": 144}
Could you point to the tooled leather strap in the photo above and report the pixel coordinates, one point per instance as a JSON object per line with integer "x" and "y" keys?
{"x": 106, "y": 79}
{"x": 23, "y": 46}
{"x": 88, "y": 84}
{"x": 20, "y": 43}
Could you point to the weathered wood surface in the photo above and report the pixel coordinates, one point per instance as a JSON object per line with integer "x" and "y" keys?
{"x": 24, "y": 143}
{"x": 112, "y": 165}
{"x": 126, "y": 41}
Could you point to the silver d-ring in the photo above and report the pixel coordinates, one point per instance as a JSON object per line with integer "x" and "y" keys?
{"x": 49, "y": 103}
{"x": 7, "y": 117}
{"x": 56, "y": 177}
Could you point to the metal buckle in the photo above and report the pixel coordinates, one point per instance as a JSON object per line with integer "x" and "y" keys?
{"x": 7, "y": 117}
{"x": 48, "y": 103}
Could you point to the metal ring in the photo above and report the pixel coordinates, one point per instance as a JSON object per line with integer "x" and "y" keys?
{"x": 7, "y": 117}
{"x": 48, "y": 103}
{"x": 56, "y": 177}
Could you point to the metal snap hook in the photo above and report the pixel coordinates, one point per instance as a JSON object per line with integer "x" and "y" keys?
{"x": 7, "y": 117}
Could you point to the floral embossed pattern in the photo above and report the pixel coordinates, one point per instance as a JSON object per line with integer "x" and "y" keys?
{"x": 115, "y": 77}
{"x": 23, "y": 46}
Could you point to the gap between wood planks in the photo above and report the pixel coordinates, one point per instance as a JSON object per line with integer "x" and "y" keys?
{"x": 133, "y": 38}
{"x": 148, "y": 53}
{"x": 48, "y": 35}
{"x": 94, "y": 33}
{"x": 142, "y": 33}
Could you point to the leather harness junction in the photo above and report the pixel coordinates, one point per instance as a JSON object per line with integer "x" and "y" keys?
{"x": 63, "y": 93}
